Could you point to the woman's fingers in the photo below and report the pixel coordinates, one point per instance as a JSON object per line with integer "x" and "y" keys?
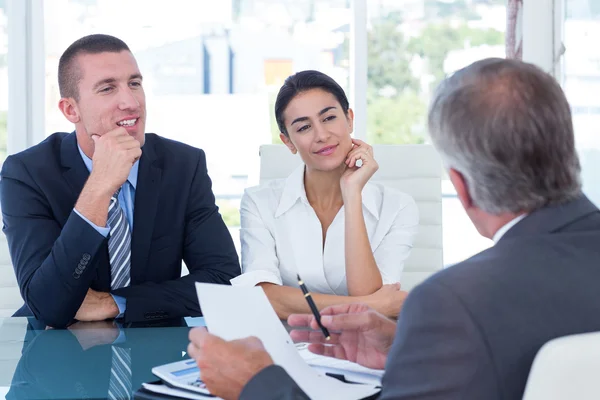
{"x": 356, "y": 154}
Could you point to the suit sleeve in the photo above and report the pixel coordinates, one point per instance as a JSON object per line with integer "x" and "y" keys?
{"x": 438, "y": 351}
{"x": 272, "y": 383}
{"x": 53, "y": 264}
{"x": 209, "y": 254}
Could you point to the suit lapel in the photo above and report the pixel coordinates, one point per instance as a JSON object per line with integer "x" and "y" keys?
{"x": 146, "y": 202}
{"x": 75, "y": 172}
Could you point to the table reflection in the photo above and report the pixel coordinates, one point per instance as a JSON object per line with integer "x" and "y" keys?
{"x": 88, "y": 360}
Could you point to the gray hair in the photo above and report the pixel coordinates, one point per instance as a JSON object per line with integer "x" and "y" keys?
{"x": 506, "y": 126}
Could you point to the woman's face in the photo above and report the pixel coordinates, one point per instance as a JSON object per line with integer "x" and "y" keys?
{"x": 318, "y": 129}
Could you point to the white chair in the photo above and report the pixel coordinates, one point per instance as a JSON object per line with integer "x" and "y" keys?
{"x": 10, "y": 297}
{"x": 566, "y": 368}
{"x": 413, "y": 169}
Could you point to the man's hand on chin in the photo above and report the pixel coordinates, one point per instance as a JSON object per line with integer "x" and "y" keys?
{"x": 97, "y": 306}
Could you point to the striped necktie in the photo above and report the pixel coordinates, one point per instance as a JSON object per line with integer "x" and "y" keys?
{"x": 119, "y": 386}
{"x": 119, "y": 245}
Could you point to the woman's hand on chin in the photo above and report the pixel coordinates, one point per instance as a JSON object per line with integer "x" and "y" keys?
{"x": 360, "y": 167}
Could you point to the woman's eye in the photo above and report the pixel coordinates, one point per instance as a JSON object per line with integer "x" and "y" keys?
{"x": 331, "y": 117}
{"x": 303, "y": 128}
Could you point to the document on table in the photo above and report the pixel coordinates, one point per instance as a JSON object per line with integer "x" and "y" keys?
{"x": 351, "y": 371}
{"x": 234, "y": 312}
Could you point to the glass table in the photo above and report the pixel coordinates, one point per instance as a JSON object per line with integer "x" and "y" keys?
{"x": 86, "y": 360}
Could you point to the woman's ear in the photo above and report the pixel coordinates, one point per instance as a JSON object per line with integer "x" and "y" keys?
{"x": 286, "y": 140}
{"x": 350, "y": 118}
{"x": 69, "y": 109}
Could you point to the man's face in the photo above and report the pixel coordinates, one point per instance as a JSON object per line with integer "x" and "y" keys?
{"x": 110, "y": 95}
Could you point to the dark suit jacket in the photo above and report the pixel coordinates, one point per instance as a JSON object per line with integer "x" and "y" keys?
{"x": 57, "y": 255}
{"x": 472, "y": 330}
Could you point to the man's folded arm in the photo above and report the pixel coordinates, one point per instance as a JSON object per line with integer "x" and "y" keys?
{"x": 208, "y": 252}
{"x": 213, "y": 262}
{"x": 53, "y": 266}
{"x": 170, "y": 299}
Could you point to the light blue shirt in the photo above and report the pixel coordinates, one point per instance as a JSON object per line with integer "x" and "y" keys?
{"x": 126, "y": 201}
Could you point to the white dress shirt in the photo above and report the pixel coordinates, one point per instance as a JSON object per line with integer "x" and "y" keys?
{"x": 506, "y": 227}
{"x": 281, "y": 236}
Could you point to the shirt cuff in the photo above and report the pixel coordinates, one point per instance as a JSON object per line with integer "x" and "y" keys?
{"x": 253, "y": 278}
{"x": 103, "y": 231}
{"x": 121, "y": 303}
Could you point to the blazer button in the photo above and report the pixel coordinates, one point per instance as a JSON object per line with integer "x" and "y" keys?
{"x": 76, "y": 275}
{"x": 86, "y": 257}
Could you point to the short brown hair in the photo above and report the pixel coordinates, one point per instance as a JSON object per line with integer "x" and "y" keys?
{"x": 69, "y": 73}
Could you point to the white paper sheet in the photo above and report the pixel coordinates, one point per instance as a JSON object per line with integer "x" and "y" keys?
{"x": 234, "y": 312}
{"x": 352, "y": 372}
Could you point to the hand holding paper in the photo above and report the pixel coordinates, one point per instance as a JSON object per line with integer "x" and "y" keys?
{"x": 233, "y": 312}
{"x": 227, "y": 366}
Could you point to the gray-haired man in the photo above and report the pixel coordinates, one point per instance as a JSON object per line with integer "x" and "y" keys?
{"x": 504, "y": 131}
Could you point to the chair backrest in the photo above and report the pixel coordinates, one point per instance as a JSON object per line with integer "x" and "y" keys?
{"x": 566, "y": 368}
{"x": 413, "y": 169}
{"x": 10, "y": 297}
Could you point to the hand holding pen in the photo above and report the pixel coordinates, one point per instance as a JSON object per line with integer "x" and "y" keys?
{"x": 313, "y": 308}
{"x": 358, "y": 334}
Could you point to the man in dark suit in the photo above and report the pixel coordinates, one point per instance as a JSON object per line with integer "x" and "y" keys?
{"x": 504, "y": 131}
{"x": 98, "y": 221}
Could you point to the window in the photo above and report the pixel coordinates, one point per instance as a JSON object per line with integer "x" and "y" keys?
{"x": 581, "y": 82}
{"x": 211, "y": 73}
{"x": 3, "y": 80}
{"x": 413, "y": 45}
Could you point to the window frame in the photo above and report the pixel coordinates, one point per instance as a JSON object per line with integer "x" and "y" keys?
{"x": 26, "y": 75}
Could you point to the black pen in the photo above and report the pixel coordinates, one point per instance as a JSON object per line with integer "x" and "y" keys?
{"x": 313, "y": 307}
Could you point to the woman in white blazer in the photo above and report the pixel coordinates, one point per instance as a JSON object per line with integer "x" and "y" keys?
{"x": 347, "y": 238}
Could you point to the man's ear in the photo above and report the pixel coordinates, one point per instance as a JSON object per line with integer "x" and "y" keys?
{"x": 462, "y": 189}
{"x": 69, "y": 109}
{"x": 286, "y": 140}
